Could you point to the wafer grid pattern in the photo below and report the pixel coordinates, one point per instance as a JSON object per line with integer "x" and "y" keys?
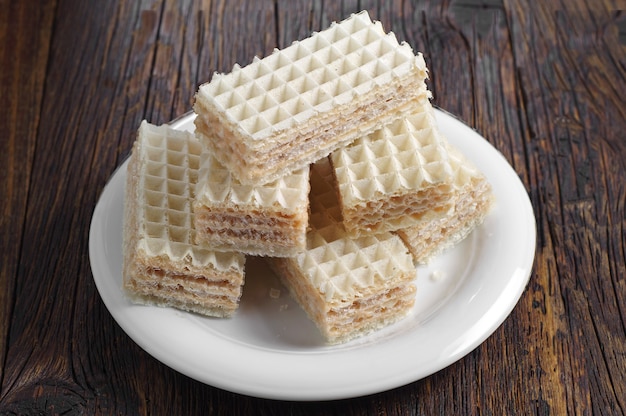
{"x": 340, "y": 266}
{"x": 166, "y": 192}
{"x": 218, "y": 187}
{"x": 310, "y": 76}
{"x": 475, "y": 199}
{"x": 405, "y": 156}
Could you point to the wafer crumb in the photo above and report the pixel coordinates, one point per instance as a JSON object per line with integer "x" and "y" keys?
{"x": 274, "y": 293}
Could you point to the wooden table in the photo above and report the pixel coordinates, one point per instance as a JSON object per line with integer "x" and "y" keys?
{"x": 544, "y": 82}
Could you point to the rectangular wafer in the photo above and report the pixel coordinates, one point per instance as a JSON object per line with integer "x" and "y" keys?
{"x": 474, "y": 200}
{"x": 162, "y": 263}
{"x": 267, "y": 219}
{"x": 295, "y": 106}
{"x": 347, "y": 286}
{"x": 395, "y": 176}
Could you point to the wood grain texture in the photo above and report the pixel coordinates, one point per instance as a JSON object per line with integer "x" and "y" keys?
{"x": 544, "y": 82}
{"x": 21, "y": 94}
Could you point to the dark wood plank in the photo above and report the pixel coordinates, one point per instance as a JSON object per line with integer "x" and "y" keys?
{"x": 25, "y": 32}
{"x": 569, "y": 92}
{"x": 57, "y": 310}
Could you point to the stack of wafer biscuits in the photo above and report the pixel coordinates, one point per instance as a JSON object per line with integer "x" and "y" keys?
{"x": 324, "y": 158}
{"x": 163, "y": 265}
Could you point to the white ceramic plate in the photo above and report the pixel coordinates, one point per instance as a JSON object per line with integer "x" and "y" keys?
{"x": 270, "y": 349}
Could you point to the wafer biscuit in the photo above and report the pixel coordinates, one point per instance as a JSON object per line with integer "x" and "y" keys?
{"x": 394, "y": 177}
{"x": 162, "y": 264}
{"x": 347, "y": 286}
{"x": 293, "y": 107}
{"x": 474, "y": 201}
{"x": 267, "y": 219}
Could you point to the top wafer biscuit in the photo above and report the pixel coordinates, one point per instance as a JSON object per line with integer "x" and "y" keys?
{"x": 297, "y": 105}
